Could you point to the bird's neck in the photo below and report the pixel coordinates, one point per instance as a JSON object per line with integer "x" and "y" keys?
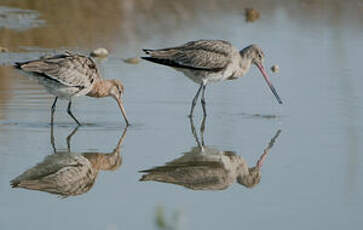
{"x": 244, "y": 65}
{"x": 104, "y": 161}
{"x": 100, "y": 88}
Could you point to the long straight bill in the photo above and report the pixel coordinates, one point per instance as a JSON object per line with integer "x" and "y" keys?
{"x": 123, "y": 111}
{"x": 260, "y": 66}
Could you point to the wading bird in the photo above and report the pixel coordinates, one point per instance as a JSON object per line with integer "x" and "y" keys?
{"x": 68, "y": 75}
{"x": 205, "y": 61}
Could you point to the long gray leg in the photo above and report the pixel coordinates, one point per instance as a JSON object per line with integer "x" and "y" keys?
{"x": 70, "y": 112}
{"x": 53, "y": 110}
{"x": 203, "y": 101}
{"x": 194, "y": 102}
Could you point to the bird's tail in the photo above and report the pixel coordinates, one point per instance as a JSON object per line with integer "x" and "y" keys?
{"x": 17, "y": 65}
{"x": 145, "y": 177}
{"x": 148, "y": 51}
{"x": 14, "y": 183}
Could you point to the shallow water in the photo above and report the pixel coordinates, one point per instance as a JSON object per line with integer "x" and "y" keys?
{"x": 310, "y": 178}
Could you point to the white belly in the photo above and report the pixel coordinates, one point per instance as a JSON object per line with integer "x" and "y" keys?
{"x": 199, "y": 76}
{"x": 64, "y": 92}
{"x": 57, "y": 89}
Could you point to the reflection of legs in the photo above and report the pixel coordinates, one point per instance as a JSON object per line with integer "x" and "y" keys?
{"x": 53, "y": 110}
{"x": 203, "y": 101}
{"x": 202, "y": 129}
{"x": 194, "y": 132}
{"x": 69, "y": 138}
{"x": 52, "y": 138}
{"x": 194, "y": 102}
{"x": 70, "y": 112}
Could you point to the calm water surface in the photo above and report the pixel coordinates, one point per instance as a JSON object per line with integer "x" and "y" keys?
{"x": 311, "y": 176}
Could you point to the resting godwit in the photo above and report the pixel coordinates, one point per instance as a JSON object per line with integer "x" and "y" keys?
{"x": 68, "y": 75}
{"x": 206, "y": 61}
{"x": 207, "y": 168}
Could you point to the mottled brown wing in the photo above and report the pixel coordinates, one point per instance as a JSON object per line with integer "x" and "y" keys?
{"x": 203, "y": 55}
{"x": 64, "y": 174}
{"x": 69, "y": 70}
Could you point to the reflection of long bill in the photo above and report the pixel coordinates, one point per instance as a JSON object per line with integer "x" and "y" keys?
{"x": 260, "y": 161}
{"x": 260, "y": 66}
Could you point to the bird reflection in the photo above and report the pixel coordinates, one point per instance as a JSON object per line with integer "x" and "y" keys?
{"x": 67, "y": 173}
{"x": 206, "y": 168}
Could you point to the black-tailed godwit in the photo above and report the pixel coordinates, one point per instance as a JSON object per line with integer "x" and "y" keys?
{"x": 68, "y": 75}
{"x": 205, "y": 61}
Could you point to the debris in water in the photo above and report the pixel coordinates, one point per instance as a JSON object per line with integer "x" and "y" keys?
{"x": 3, "y": 49}
{"x": 251, "y": 14}
{"x": 132, "y": 60}
{"x": 275, "y": 68}
{"x": 100, "y": 52}
{"x": 266, "y": 116}
{"x": 261, "y": 116}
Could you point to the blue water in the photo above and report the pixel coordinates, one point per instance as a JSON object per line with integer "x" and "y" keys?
{"x": 310, "y": 179}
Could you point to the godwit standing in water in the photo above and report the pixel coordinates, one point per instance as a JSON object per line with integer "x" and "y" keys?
{"x": 68, "y": 75}
{"x": 206, "y": 61}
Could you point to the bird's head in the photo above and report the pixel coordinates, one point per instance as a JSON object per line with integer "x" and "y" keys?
{"x": 116, "y": 90}
{"x": 250, "y": 180}
{"x": 256, "y": 56}
{"x": 253, "y": 53}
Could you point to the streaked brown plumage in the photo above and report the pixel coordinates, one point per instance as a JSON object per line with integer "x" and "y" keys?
{"x": 205, "y": 61}
{"x": 68, "y": 75}
{"x": 206, "y": 168}
{"x": 66, "y": 173}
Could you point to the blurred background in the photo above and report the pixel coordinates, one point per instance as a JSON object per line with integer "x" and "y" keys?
{"x": 310, "y": 178}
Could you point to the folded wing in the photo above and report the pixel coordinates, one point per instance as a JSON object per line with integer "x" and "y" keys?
{"x": 209, "y": 55}
{"x": 69, "y": 70}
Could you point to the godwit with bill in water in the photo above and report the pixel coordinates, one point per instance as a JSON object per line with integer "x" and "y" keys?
{"x": 205, "y": 61}
{"x": 68, "y": 75}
